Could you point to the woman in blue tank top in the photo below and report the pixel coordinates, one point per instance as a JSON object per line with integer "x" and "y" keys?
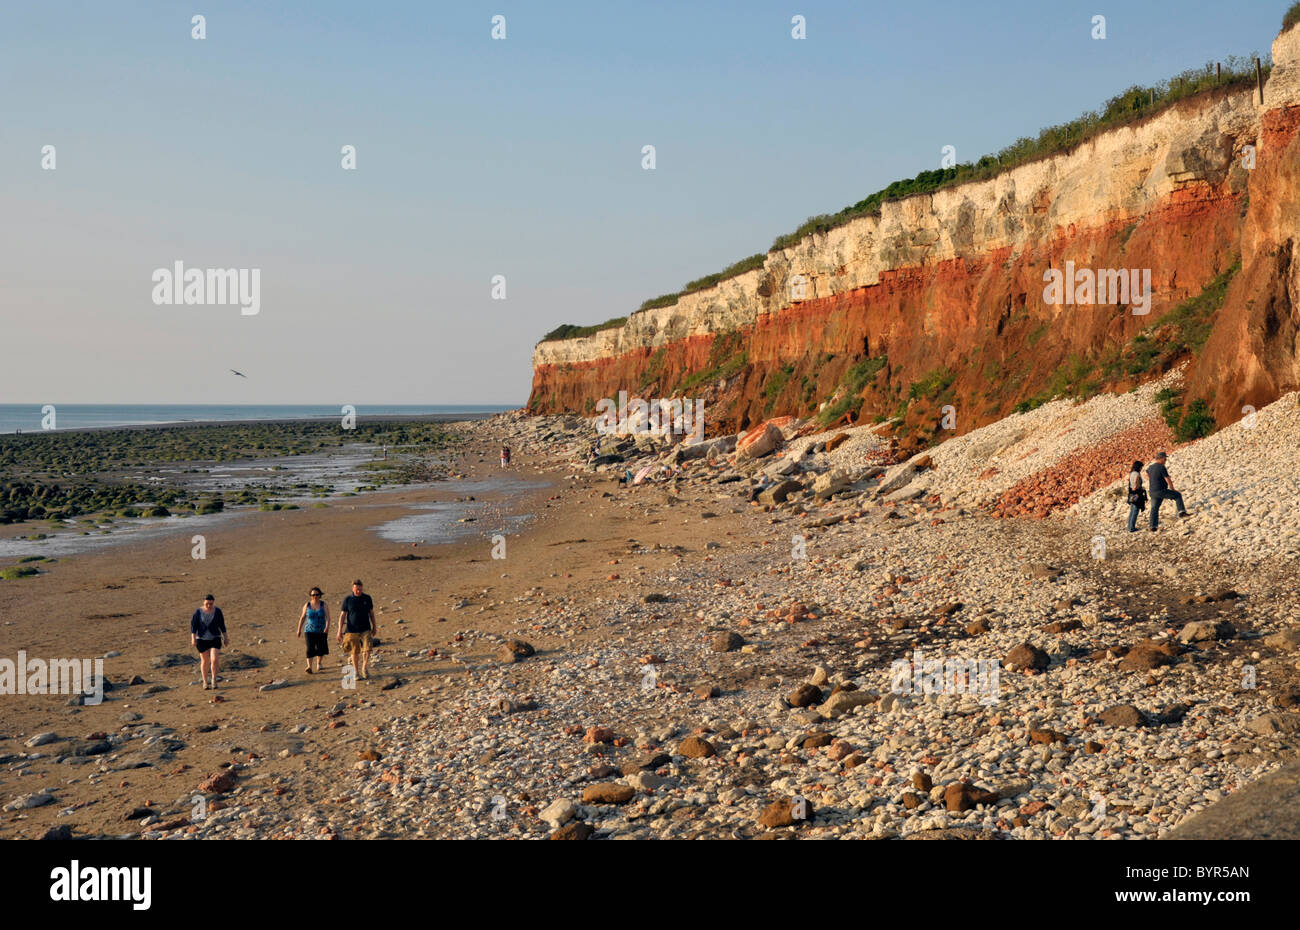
{"x": 313, "y": 623}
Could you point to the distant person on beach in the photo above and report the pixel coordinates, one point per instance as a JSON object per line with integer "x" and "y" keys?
{"x": 1162, "y": 488}
{"x": 314, "y": 623}
{"x": 358, "y": 612}
{"x": 208, "y": 634}
{"x": 505, "y": 456}
{"x": 1137, "y": 496}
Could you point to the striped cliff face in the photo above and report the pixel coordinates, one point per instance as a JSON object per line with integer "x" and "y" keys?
{"x": 946, "y": 291}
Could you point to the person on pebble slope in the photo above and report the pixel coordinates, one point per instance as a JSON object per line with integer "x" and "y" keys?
{"x": 1162, "y": 488}
{"x": 208, "y": 634}
{"x": 1137, "y": 496}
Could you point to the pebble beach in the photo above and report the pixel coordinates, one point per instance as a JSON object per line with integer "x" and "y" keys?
{"x": 718, "y": 651}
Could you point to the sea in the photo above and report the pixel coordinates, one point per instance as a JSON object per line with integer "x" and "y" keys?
{"x": 34, "y": 417}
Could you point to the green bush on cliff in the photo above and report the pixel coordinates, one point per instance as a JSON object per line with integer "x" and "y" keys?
{"x": 654, "y": 303}
{"x": 1292, "y": 17}
{"x": 776, "y": 383}
{"x": 838, "y": 409}
{"x": 932, "y": 385}
{"x": 860, "y": 375}
{"x": 726, "y": 358}
{"x": 850, "y": 388}
{"x": 731, "y": 271}
{"x": 569, "y": 331}
{"x": 1197, "y": 422}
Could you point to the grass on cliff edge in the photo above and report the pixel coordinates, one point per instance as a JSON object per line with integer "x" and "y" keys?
{"x": 1292, "y": 17}
{"x": 1134, "y": 104}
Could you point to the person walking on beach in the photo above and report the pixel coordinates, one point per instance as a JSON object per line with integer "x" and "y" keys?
{"x": 1137, "y": 496}
{"x": 208, "y": 634}
{"x": 358, "y": 612}
{"x": 505, "y": 456}
{"x": 314, "y": 623}
{"x": 1162, "y": 488}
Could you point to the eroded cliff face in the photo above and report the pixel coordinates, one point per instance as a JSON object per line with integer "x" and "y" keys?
{"x": 946, "y": 291}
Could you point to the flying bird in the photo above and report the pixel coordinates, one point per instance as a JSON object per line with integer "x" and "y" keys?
{"x": 240, "y": 373}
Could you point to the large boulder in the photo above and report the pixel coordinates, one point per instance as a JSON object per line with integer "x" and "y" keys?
{"x": 841, "y": 702}
{"x": 1199, "y": 631}
{"x": 832, "y": 482}
{"x": 700, "y": 450}
{"x": 779, "y": 492}
{"x": 762, "y": 440}
{"x": 896, "y": 478}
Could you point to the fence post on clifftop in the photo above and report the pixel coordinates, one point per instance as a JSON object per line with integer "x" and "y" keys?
{"x": 1259, "y": 79}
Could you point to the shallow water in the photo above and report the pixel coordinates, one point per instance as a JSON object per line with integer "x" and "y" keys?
{"x": 439, "y": 521}
{"x": 432, "y": 522}
{"x": 69, "y": 541}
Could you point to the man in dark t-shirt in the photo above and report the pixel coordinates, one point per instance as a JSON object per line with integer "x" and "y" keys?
{"x": 358, "y": 613}
{"x": 1162, "y": 487}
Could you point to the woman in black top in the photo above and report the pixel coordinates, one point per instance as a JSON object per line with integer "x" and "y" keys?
{"x": 208, "y": 634}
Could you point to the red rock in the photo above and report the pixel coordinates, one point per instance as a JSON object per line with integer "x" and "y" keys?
{"x": 839, "y": 750}
{"x": 762, "y": 440}
{"x": 219, "y": 783}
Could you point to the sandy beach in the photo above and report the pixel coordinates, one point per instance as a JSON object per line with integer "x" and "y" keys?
{"x": 136, "y": 598}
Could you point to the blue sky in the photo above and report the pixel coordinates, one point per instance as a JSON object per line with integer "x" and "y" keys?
{"x": 478, "y": 157}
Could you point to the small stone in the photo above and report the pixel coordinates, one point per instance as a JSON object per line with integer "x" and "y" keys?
{"x": 219, "y": 783}
{"x": 558, "y": 813}
{"x": 727, "y": 642}
{"x": 693, "y": 747}
{"x": 574, "y": 831}
{"x": 786, "y": 813}
{"x": 1123, "y": 715}
{"x": 608, "y": 793}
{"x": 1027, "y": 655}
{"x": 805, "y": 696}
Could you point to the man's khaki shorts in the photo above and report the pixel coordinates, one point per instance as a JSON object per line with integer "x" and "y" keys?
{"x": 354, "y": 641}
